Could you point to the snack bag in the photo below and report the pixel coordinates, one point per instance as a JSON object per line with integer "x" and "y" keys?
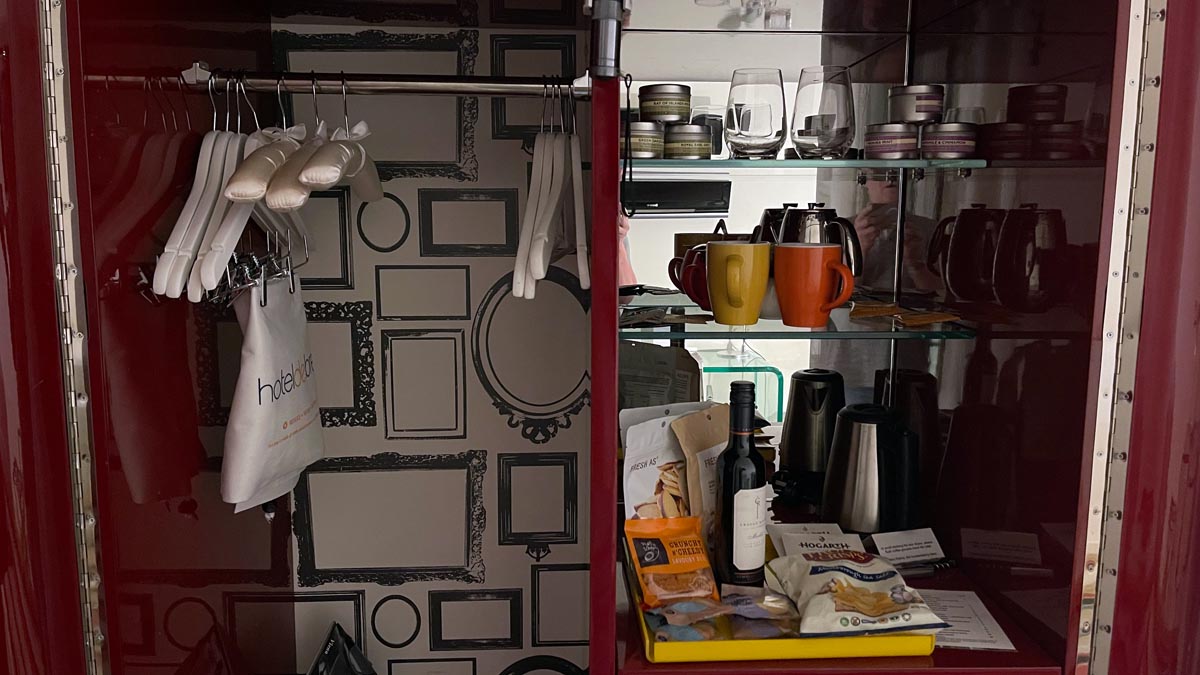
{"x": 702, "y": 436}
{"x": 751, "y": 602}
{"x": 655, "y": 472}
{"x": 670, "y": 559}
{"x": 843, "y": 593}
{"x": 694, "y": 610}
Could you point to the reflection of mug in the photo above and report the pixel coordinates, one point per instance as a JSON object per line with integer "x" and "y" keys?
{"x": 737, "y": 280}
{"x": 806, "y": 278}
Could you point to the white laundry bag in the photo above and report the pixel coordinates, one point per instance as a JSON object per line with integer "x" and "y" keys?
{"x": 274, "y": 427}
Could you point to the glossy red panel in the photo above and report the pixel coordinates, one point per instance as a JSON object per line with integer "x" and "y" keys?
{"x": 40, "y": 623}
{"x": 171, "y": 550}
{"x": 1158, "y": 588}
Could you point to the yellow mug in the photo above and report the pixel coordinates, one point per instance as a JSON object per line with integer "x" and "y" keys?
{"x": 737, "y": 280}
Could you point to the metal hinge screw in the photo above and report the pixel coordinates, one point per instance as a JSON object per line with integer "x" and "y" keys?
{"x": 1149, "y": 147}
{"x": 1126, "y": 396}
{"x": 1086, "y": 627}
{"x": 99, "y": 637}
{"x": 1106, "y": 628}
{"x": 1154, "y": 81}
{"x": 1112, "y": 572}
{"x": 1091, "y": 567}
{"x": 81, "y": 398}
{"x": 1116, "y": 515}
{"x": 1142, "y": 211}
{"x": 1121, "y": 456}
{"x": 1158, "y": 14}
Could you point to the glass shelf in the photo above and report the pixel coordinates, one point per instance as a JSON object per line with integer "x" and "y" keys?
{"x": 840, "y": 327}
{"x": 729, "y": 164}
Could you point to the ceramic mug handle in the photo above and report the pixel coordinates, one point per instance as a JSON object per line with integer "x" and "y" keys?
{"x": 733, "y": 280}
{"x": 847, "y": 286}
{"x": 674, "y": 270}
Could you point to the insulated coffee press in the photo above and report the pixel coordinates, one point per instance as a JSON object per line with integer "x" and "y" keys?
{"x": 871, "y": 482}
{"x": 813, "y": 404}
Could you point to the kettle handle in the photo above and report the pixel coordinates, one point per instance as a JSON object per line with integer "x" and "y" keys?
{"x": 851, "y": 245}
{"x": 937, "y": 246}
{"x": 901, "y": 487}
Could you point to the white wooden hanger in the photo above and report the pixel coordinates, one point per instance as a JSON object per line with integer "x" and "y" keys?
{"x": 542, "y": 245}
{"x": 204, "y": 171}
{"x": 581, "y": 240}
{"x": 539, "y": 187}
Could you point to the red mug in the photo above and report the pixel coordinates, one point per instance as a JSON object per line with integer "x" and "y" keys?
{"x": 676, "y": 266}
{"x": 693, "y": 276}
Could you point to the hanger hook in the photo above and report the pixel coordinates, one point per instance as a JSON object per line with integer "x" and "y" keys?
{"x": 316, "y": 109}
{"x": 212, "y": 99}
{"x": 545, "y": 96}
{"x": 166, "y": 100}
{"x": 187, "y": 114}
{"x": 345, "y": 104}
{"x": 279, "y": 99}
{"x": 228, "y": 104}
{"x": 249, "y": 103}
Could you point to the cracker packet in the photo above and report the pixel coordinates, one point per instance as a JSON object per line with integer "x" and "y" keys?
{"x": 670, "y": 560}
{"x": 702, "y": 435}
{"x": 655, "y": 473}
{"x": 753, "y": 602}
{"x": 841, "y": 593}
{"x": 690, "y": 611}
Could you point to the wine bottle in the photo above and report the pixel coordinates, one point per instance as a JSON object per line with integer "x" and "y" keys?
{"x": 741, "y": 534}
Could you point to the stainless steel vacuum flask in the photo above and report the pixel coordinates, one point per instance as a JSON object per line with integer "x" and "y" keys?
{"x": 872, "y": 476}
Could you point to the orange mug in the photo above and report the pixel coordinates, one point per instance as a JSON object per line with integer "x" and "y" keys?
{"x": 806, "y": 279}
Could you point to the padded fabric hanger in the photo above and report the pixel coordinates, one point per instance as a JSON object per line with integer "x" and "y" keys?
{"x": 286, "y": 192}
{"x": 204, "y": 171}
{"x": 344, "y": 157}
{"x": 249, "y": 183}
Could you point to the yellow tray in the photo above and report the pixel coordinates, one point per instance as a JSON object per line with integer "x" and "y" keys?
{"x": 770, "y": 650}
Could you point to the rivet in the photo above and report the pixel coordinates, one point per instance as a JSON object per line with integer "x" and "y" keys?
{"x": 1129, "y": 336}
{"x": 1109, "y": 335}
{"x": 1106, "y": 628}
{"x": 1116, "y": 515}
{"x": 78, "y": 335}
{"x": 1127, "y": 396}
{"x": 1149, "y": 147}
{"x": 1154, "y": 81}
{"x": 1159, "y": 14}
{"x": 1091, "y": 567}
{"x": 1116, "y": 274}
{"x": 90, "y": 519}
{"x": 81, "y": 398}
{"x": 1142, "y": 211}
{"x": 1135, "y": 275}
{"x": 1121, "y": 211}
{"x": 1111, "y": 572}
{"x": 59, "y": 71}
{"x": 1128, "y": 148}
{"x": 72, "y": 271}
{"x": 1122, "y": 456}
{"x": 1086, "y": 627}
{"x": 99, "y": 637}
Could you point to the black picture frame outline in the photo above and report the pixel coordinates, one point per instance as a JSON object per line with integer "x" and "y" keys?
{"x": 166, "y": 626}
{"x": 345, "y": 282}
{"x": 473, "y": 462}
{"x": 144, "y": 604}
{"x": 463, "y": 43}
{"x": 535, "y": 599}
{"x": 278, "y": 575}
{"x": 505, "y": 463}
{"x": 362, "y": 351}
{"x": 458, "y": 336}
{"x": 230, "y": 599}
{"x": 565, "y": 45}
{"x": 462, "y": 13}
{"x": 423, "y": 317}
{"x": 438, "y": 598}
{"x": 563, "y": 16}
{"x": 555, "y": 664}
{"x": 399, "y": 242}
{"x": 474, "y": 663}
{"x": 427, "y": 197}
{"x": 538, "y": 422}
{"x": 375, "y": 625}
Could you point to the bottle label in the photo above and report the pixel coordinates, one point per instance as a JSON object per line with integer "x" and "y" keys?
{"x": 750, "y": 528}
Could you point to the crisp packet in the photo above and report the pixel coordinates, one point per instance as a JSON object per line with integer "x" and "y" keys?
{"x": 670, "y": 559}
{"x": 698, "y": 632}
{"x": 845, "y": 592}
{"x": 687, "y": 612}
{"x": 763, "y": 629}
{"x": 752, "y": 602}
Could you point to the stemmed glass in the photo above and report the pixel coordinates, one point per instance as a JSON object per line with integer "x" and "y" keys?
{"x": 823, "y": 121}
{"x": 755, "y": 115}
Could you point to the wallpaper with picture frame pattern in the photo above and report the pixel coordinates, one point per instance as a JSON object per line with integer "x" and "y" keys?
{"x": 447, "y": 521}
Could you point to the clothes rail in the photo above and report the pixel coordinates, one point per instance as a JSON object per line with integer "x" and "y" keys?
{"x": 361, "y": 83}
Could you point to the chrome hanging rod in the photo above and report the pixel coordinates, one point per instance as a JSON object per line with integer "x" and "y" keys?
{"x": 362, "y": 83}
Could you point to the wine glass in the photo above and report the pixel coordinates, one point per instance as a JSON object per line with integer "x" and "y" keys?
{"x": 823, "y": 121}
{"x": 755, "y": 116}
{"x": 971, "y": 114}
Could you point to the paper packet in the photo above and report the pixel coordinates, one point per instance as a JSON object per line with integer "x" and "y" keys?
{"x": 655, "y": 475}
{"x": 702, "y": 436}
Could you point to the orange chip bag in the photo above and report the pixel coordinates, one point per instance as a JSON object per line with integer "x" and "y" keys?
{"x": 671, "y": 560}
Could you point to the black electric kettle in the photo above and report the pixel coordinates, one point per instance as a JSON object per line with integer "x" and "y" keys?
{"x": 818, "y": 225}
{"x": 1031, "y": 272}
{"x": 872, "y": 478}
{"x": 962, "y": 251}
